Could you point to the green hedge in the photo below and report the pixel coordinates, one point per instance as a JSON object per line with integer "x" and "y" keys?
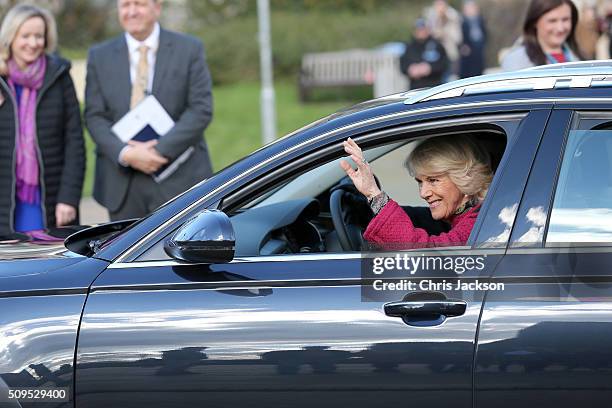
{"x": 232, "y": 46}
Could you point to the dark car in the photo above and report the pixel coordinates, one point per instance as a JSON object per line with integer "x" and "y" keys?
{"x": 254, "y": 288}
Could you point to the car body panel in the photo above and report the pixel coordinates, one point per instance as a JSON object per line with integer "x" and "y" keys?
{"x": 293, "y": 333}
{"x": 64, "y": 271}
{"x": 41, "y": 302}
{"x": 544, "y": 340}
{"x": 38, "y": 341}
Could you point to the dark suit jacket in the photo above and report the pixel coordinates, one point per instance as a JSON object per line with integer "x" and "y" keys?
{"x": 430, "y": 51}
{"x": 182, "y": 85}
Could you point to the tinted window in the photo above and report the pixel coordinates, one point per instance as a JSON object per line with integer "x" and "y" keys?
{"x": 582, "y": 208}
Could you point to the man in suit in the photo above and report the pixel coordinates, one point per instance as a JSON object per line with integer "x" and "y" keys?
{"x": 146, "y": 59}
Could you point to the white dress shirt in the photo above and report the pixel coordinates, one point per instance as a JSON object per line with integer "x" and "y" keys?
{"x": 152, "y": 41}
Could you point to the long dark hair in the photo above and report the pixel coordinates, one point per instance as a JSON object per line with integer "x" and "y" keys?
{"x": 536, "y": 9}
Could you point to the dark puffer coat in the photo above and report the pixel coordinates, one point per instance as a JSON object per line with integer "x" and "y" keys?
{"x": 61, "y": 149}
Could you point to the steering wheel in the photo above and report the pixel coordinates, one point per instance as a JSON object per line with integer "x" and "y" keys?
{"x": 350, "y": 214}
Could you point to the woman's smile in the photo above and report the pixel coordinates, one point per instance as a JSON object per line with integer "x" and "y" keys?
{"x": 442, "y": 195}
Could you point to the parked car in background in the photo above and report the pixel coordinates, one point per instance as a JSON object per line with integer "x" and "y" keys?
{"x": 248, "y": 289}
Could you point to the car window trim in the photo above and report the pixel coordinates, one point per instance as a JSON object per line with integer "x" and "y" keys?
{"x": 451, "y": 251}
{"x": 543, "y": 149}
{"x": 538, "y": 120}
{"x": 588, "y": 248}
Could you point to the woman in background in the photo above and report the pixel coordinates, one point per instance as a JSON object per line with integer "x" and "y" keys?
{"x": 548, "y": 36}
{"x": 42, "y": 156}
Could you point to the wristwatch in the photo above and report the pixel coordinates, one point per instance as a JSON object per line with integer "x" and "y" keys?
{"x": 378, "y": 202}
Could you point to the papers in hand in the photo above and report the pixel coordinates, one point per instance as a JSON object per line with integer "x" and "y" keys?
{"x": 149, "y": 120}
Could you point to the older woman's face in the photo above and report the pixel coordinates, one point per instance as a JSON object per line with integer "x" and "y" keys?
{"x": 442, "y": 195}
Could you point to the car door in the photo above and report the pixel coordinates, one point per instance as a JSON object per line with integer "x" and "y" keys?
{"x": 297, "y": 329}
{"x": 545, "y": 340}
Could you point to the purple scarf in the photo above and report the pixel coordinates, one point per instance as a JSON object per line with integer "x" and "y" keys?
{"x": 27, "y": 159}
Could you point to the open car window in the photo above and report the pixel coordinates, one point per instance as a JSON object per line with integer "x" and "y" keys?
{"x": 296, "y": 216}
{"x": 293, "y": 214}
{"x": 318, "y": 180}
{"x": 387, "y": 163}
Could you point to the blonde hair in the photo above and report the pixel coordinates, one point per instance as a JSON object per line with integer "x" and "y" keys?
{"x": 459, "y": 157}
{"x": 13, "y": 20}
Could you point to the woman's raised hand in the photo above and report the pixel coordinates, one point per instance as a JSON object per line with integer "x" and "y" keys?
{"x": 363, "y": 178}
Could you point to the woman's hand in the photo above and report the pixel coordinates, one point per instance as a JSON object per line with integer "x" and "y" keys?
{"x": 363, "y": 178}
{"x": 64, "y": 214}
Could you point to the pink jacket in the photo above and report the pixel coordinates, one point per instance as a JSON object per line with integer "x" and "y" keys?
{"x": 393, "y": 225}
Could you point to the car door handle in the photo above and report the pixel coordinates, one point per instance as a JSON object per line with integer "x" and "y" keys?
{"x": 426, "y": 308}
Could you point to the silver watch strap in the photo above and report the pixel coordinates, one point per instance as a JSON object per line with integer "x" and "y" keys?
{"x": 378, "y": 202}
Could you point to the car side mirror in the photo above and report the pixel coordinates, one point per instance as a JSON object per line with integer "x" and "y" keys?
{"x": 206, "y": 238}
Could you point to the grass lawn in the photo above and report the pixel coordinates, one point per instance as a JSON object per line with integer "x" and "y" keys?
{"x": 236, "y": 127}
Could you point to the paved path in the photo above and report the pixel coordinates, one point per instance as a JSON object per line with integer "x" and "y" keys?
{"x": 92, "y": 212}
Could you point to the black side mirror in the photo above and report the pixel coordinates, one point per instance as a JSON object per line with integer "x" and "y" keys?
{"x": 208, "y": 238}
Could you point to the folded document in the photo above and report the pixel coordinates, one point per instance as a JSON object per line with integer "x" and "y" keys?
{"x": 147, "y": 121}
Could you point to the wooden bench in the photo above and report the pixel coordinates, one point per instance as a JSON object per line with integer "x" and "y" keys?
{"x": 351, "y": 68}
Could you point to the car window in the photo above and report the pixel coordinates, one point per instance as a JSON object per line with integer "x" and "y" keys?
{"x": 387, "y": 163}
{"x": 582, "y": 207}
{"x": 296, "y": 216}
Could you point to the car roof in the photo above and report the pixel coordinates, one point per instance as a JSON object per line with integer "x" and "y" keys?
{"x": 572, "y": 75}
{"x": 555, "y": 81}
